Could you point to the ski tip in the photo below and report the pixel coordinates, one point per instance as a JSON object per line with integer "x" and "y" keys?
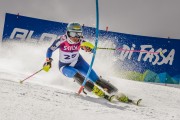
{"x": 111, "y": 98}
{"x": 138, "y": 102}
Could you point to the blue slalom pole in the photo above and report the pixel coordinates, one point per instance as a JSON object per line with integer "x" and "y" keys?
{"x": 95, "y": 47}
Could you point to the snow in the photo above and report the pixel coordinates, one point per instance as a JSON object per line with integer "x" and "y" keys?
{"x": 51, "y": 96}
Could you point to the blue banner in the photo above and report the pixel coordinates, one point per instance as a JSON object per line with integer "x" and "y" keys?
{"x": 22, "y": 28}
{"x": 141, "y": 58}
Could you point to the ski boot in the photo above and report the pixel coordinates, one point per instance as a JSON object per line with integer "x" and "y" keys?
{"x": 121, "y": 97}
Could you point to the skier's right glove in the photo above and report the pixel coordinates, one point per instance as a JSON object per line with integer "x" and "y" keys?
{"x": 47, "y": 64}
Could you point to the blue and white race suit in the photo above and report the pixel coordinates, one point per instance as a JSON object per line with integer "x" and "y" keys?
{"x": 70, "y": 60}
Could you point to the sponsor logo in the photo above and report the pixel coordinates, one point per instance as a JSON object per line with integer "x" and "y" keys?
{"x": 69, "y": 48}
{"x": 158, "y": 57}
{"x": 24, "y": 34}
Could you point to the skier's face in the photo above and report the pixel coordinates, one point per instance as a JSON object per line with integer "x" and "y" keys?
{"x": 75, "y": 39}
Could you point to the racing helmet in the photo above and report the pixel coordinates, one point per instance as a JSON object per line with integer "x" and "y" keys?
{"x": 74, "y": 30}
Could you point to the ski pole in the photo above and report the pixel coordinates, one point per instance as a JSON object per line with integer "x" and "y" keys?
{"x": 121, "y": 49}
{"x": 21, "y": 81}
{"x": 106, "y": 48}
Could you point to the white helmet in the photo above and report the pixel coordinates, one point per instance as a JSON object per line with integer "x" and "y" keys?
{"x": 74, "y": 30}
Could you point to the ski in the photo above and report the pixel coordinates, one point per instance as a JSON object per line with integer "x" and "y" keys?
{"x": 129, "y": 101}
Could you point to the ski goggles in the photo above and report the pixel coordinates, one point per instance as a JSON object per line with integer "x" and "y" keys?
{"x": 75, "y": 34}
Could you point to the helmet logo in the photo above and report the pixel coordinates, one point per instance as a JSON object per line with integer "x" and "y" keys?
{"x": 76, "y": 27}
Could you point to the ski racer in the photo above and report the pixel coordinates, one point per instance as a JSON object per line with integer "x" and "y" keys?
{"x": 72, "y": 64}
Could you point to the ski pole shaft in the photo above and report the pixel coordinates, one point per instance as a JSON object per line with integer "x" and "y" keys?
{"x": 121, "y": 49}
{"x": 106, "y": 48}
{"x": 21, "y": 81}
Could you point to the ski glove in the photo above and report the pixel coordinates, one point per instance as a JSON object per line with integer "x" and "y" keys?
{"x": 47, "y": 64}
{"x": 87, "y": 46}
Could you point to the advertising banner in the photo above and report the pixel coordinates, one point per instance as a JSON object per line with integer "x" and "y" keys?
{"x": 18, "y": 27}
{"x": 141, "y": 58}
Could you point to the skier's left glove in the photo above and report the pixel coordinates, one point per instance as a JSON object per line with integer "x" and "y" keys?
{"x": 47, "y": 64}
{"x": 87, "y": 46}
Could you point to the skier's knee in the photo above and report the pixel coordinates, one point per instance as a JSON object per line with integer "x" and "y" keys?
{"x": 68, "y": 71}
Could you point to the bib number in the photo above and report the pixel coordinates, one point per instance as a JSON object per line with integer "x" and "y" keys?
{"x": 67, "y": 57}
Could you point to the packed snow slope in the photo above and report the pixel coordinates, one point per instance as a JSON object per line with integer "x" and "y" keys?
{"x": 51, "y": 96}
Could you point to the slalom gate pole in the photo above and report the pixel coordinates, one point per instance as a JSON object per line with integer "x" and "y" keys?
{"x": 121, "y": 49}
{"x": 21, "y": 81}
{"x": 94, "y": 52}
